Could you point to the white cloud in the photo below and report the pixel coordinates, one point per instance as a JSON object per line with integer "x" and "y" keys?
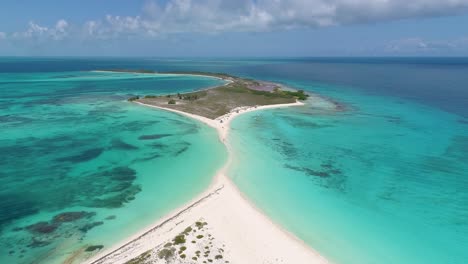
{"x": 211, "y": 16}
{"x": 36, "y": 31}
{"x": 2, "y": 35}
{"x": 214, "y": 16}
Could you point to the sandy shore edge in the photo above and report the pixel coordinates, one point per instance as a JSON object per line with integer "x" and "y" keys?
{"x": 250, "y": 236}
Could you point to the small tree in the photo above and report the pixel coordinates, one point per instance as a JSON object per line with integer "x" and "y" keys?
{"x": 172, "y": 101}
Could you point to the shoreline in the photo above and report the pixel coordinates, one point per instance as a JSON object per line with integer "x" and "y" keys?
{"x": 233, "y": 217}
{"x": 163, "y": 73}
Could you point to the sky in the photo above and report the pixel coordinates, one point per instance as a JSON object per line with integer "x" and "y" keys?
{"x": 234, "y": 28}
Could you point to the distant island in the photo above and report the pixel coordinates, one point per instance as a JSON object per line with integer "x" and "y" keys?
{"x": 221, "y": 100}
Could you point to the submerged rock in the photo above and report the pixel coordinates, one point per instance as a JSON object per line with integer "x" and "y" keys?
{"x": 90, "y": 226}
{"x": 180, "y": 151}
{"x": 71, "y": 216}
{"x": 119, "y": 144}
{"x": 83, "y": 156}
{"x": 42, "y": 227}
{"x": 93, "y": 248}
{"x": 155, "y": 136}
{"x": 116, "y": 200}
{"x": 35, "y": 243}
{"x": 122, "y": 174}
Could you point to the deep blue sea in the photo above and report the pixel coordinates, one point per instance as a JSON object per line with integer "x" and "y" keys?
{"x": 381, "y": 179}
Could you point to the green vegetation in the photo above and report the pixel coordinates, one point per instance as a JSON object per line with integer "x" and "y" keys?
{"x": 200, "y": 236}
{"x": 133, "y": 98}
{"x": 166, "y": 253}
{"x": 200, "y": 225}
{"x": 218, "y": 101}
{"x": 180, "y": 239}
{"x": 140, "y": 259}
{"x": 218, "y": 257}
{"x": 187, "y": 230}
{"x": 168, "y": 244}
{"x": 299, "y": 94}
{"x": 183, "y": 256}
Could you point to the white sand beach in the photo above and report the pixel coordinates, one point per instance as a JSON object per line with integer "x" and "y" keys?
{"x": 245, "y": 234}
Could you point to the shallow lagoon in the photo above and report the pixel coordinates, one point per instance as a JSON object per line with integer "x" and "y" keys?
{"x": 81, "y": 166}
{"x": 382, "y": 180}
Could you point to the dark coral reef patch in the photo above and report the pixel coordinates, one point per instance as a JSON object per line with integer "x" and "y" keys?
{"x": 155, "y": 136}
{"x": 71, "y": 216}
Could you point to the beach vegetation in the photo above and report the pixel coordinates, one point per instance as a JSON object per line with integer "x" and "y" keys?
{"x": 194, "y": 258}
{"x": 200, "y": 224}
{"x": 218, "y": 101}
{"x": 133, "y": 98}
{"x": 166, "y": 253}
{"x": 187, "y": 230}
{"x": 200, "y": 236}
{"x": 168, "y": 244}
{"x": 218, "y": 256}
{"x": 150, "y": 96}
{"x": 180, "y": 239}
{"x": 183, "y": 256}
{"x": 140, "y": 259}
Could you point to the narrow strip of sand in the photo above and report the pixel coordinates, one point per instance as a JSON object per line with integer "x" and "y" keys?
{"x": 249, "y": 236}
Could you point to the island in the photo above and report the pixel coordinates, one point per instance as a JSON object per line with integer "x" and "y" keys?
{"x": 218, "y": 101}
{"x": 220, "y": 225}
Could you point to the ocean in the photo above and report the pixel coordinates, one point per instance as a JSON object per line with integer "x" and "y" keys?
{"x": 80, "y": 166}
{"x": 380, "y": 179}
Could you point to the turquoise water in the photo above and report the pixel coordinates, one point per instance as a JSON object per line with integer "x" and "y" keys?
{"x": 381, "y": 180}
{"x": 82, "y": 166}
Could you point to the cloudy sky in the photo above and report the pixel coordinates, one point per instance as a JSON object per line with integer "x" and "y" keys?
{"x": 234, "y": 28}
